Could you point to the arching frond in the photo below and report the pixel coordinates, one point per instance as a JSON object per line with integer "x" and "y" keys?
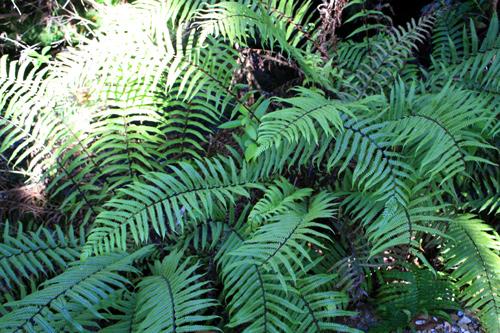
{"x": 377, "y": 62}
{"x": 276, "y": 200}
{"x": 300, "y": 121}
{"x": 84, "y": 285}
{"x": 474, "y": 254}
{"x": 267, "y": 299}
{"x": 27, "y": 255}
{"x": 278, "y": 243}
{"x": 172, "y": 298}
{"x": 406, "y": 294}
{"x": 278, "y": 26}
{"x": 168, "y": 200}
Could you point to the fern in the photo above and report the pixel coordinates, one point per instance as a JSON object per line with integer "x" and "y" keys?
{"x": 203, "y": 202}
{"x": 43, "y": 251}
{"x": 173, "y": 288}
{"x": 475, "y": 252}
{"x": 213, "y": 187}
{"x": 83, "y": 285}
{"x": 408, "y": 293}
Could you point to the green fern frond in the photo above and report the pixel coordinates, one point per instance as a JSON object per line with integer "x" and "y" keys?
{"x": 164, "y": 199}
{"x": 84, "y": 284}
{"x": 389, "y": 224}
{"x": 124, "y": 302}
{"x": 309, "y": 110}
{"x": 237, "y": 22}
{"x": 473, "y": 256}
{"x": 378, "y": 61}
{"x": 258, "y": 299}
{"x": 280, "y": 241}
{"x": 43, "y": 251}
{"x": 475, "y": 69}
{"x": 172, "y": 298}
{"x": 276, "y": 200}
{"x": 406, "y": 294}
{"x": 319, "y": 304}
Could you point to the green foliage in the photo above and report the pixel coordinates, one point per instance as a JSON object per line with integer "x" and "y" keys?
{"x": 203, "y": 202}
{"x": 474, "y": 253}
{"x": 36, "y": 252}
{"x": 27, "y": 25}
{"x": 409, "y": 293}
{"x": 173, "y": 283}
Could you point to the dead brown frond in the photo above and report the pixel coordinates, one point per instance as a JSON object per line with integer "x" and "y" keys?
{"x": 331, "y": 18}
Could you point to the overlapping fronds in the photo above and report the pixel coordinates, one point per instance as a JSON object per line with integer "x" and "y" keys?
{"x": 300, "y": 121}
{"x": 31, "y": 254}
{"x": 276, "y": 23}
{"x": 284, "y": 214}
{"x": 277, "y": 199}
{"x": 266, "y": 274}
{"x": 473, "y": 67}
{"x": 473, "y": 255}
{"x": 374, "y": 64}
{"x": 171, "y": 300}
{"x": 319, "y": 304}
{"x": 168, "y": 201}
{"x": 84, "y": 285}
{"x": 408, "y": 293}
{"x": 125, "y": 302}
{"x": 148, "y": 92}
{"x": 26, "y": 92}
{"x": 278, "y": 243}
{"x": 389, "y": 225}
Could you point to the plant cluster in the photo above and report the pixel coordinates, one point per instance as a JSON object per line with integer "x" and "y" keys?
{"x": 168, "y": 191}
{"x": 28, "y": 25}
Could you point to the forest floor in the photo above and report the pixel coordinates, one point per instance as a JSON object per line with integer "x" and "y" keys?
{"x": 462, "y": 322}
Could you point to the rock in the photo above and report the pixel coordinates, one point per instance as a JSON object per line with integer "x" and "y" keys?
{"x": 455, "y": 317}
{"x": 464, "y": 322}
{"x": 460, "y": 313}
{"x": 420, "y": 322}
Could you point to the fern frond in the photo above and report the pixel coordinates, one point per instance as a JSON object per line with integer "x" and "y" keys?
{"x": 475, "y": 69}
{"x": 405, "y": 294}
{"x": 236, "y": 22}
{"x": 473, "y": 256}
{"x": 172, "y": 299}
{"x": 276, "y": 200}
{"x": 43, "y": 251}
{"x": 281, "y": 240}
{"x": 309, "y": 110}
{"x": 313, "y": 294}
{"x": 258, "y": 298}
{"x": 377, "y": 62}
{"x": 125, "y": 302}
{"x": 390, "y": 225}
{"x": 85, "y": 284}
{"x": 164, "y": 198}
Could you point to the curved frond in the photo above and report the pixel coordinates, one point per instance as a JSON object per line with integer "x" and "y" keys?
{"x": 167, "y": 200}
{"x": 171, "y": 300}
{"x": 406, "y": 294}
{"x": 30, "y": 254}
{"x": 84, "y": 284}
{"x": 278, "y": 243}
{"x": 474, "y": 254}
{"x": 276, "y": 200}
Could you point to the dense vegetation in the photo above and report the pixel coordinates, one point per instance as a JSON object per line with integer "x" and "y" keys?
{"x": 170, "y": 184}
